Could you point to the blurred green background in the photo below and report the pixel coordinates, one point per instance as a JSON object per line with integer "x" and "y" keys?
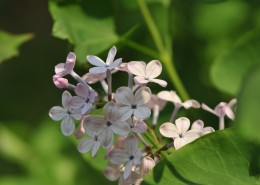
{"x": 214, "y": 42}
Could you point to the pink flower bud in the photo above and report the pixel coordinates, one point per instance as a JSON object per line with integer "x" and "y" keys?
{"x": 147, "y": 164}
{"x": 60, "y": 82}
{"x": 112, "y": 172}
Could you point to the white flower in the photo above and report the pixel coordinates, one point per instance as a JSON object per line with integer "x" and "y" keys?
{"x": 109, "y": 124}
{"x": 66, "y": 114}
{"x": 199, "y": 126}
{"x": 171, "y": 96}
{"x": 130, "y": 156}
{"x": 84, "y": 99}
{"x": 93, "y": 142}
{"x": 146, "y": 73}
{"x": 101, "y": 65}
{"x": 133, "y": 104}
{"x": 179, "y": 132}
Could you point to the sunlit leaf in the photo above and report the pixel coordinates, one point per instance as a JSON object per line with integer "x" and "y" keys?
{"x": 229, "y": 69}
{"x": 10, "y": 43}
{"x": 89, "y": 35}
{"x": 218, "y": 158}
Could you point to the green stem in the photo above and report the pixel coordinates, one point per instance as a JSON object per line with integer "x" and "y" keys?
{"x": 165, "y": 52}
{"x": 151, "y": 25}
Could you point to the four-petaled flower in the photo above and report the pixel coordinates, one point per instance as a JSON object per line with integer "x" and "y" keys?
{"x": 84, "y": 99}
{"x": 221, "y": 110}
{"x": 66, "y": 114}
{"x": 63, "y": 69}
{"x": 146, "y": 73}
{"x": 199, "y": 126}
{"x": 93, "y": 142}
{"x": 110, "y": 124}
{"x": 179, "y": 132}
{"x": 102, "y": 66}
{"x": 130, "y": 156}
{"x": 175, "y": 99}
{"x": 133, "y": 104}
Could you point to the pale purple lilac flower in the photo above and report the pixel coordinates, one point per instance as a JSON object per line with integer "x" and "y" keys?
{"x": 171, "y": 96}
{"x": 101, "y": 66}
{"x": 109, "y": 124}
{"x": 137, "y": 126}
{"x": 199, "y": 126}
{"x": 179, "y": 132}
{"x": 66, "y": 114}
{"x": 146, "y": 73}
{"x": 221, "y": 110}
{"x": 66, "y": 68}
{"x": 91, "y": 143}
{"x": 133, "y": 104}
{"x": 130, "y": 156}
{"x": 84, "y": 99}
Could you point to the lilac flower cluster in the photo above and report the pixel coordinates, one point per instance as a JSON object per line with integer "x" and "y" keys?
{"x": 121, "y": 128}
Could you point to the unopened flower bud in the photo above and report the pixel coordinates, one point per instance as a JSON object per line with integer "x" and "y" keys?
{"x": 112, "y": 173}
{"x": 147, "y": 164}
{"x": 60, "y": 82}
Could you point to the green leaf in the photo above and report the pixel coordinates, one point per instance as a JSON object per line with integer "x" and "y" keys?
{"x": 229, "y": 69}
{"x": 10, "y": 44}
{"x": 218, "y": 158}
{"x": 89, "y": 35}
{"x": 248, "y": 117}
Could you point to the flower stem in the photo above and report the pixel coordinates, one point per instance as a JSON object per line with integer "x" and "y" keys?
{"x": 221, "y": 122}
{"x": 174, "y": 113}
{"x": 151, "y": 25}
{"x": 79, "y": 79}
{"x": 109, "y": 83}
{"x": 130, "y": 80}
{"x": 104, "y": 85}
{"x": 141, "y": 139}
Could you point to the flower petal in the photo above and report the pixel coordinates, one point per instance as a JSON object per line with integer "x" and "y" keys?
{"x": 153, "y": 69}
{"x": 67, "y": 126}
{"x": 97, "y": 70}
{"x": 65, "y": 99}
{"x": 208, "y": 130}
{"x": 140, "y": 80}
{"x": 93, "y": 78}
{"x": 137, "y": 157}
{"x": 229, "y": 113}
{"x": 160, "y": 82}
{"x": 85, "y": 145}
{"x": 182, "y": 124}
{"x": 191, "y": 103}
{"x": 94, "y": 123}
{"x": 142, "y": 96}
{"x": 107, "y": 138}
{"x": 111, "y": 55}
{"x": 128, "y": 169}
{"x": 114, "y": 64}
{"x": 82, "y": 90}
{"x": 70, "y": 62}
{"x": 142, "y": 112}
{"x": 131, "y": 144}
{"x": 137, "y": 68}
{"x": 95, "y": 148}
{"x": 139, "y": 127}
{"x": 86, "y": 108}
{"x": 76, "y": 114}
{"x": 125, "y": 112}
{"x": 110, "y": 111}
{"x": 118, "y": 156}
{"x": 179, "y": 142}
{"x": 170, "y": 96}
{"x": 207, "y": 108}
{"x": 232, "y": 103}
{"x": 169, "y": 130}
{"x": 124, "y": 95}
{"x": 60, "y": 70}
{"x": 57, "y": 113}
{"x": 95, "y": 61}
{"x": 197, "y": 125}
{"x": 120, "y": 128}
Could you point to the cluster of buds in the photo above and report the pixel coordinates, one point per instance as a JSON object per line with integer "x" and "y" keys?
{"x": 120, "y": 129}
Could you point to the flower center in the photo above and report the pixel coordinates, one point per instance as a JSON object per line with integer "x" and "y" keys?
{"x": 96, "y": 138}
{"x": 131, "y": 157}
{"x": 133, "y": 106}
{"x": 109, "y": 123}
{"x": 87, "y": 100}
